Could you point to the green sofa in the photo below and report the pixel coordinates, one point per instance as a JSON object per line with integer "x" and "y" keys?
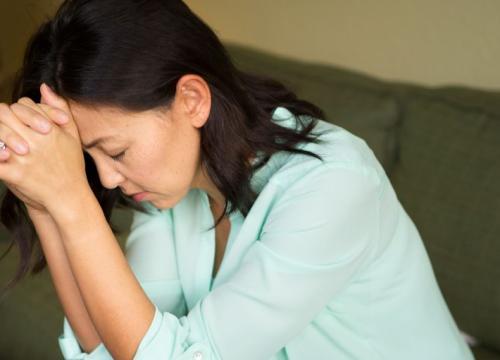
{"x": 441, "y": 149}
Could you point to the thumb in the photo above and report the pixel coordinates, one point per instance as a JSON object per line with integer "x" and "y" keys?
{"x": 50, "y": 98}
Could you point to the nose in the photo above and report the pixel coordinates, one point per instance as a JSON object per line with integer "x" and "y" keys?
{"x": 108, "y": 175}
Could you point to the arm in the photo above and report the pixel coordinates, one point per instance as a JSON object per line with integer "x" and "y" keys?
{"x": 149, "y": 243}
{"x": 116, "y": 303}
{"x": 64, "y": 282}
{"x": 114, "y": 299}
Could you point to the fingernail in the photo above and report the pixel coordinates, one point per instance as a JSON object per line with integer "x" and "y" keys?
{"x": 48, "y": 89}
{"x": 21, "y": 148}
{"x": 45, "y": 126}
{"x": 63, "y": 117}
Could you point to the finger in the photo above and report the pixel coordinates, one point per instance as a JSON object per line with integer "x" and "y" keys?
{"x": 7, "y": 135}
{"x": 56, "y": 115}
{"x": 31, "y": 118}
{"x": 9, "y": 173}
{"x": 51, "y": 98}
{"x": 4, "y": 154}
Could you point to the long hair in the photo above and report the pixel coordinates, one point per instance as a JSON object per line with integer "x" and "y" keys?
{"x": 129, "y": 54}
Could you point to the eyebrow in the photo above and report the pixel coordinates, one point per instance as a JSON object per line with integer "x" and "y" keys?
{"x": 97, "y": 141}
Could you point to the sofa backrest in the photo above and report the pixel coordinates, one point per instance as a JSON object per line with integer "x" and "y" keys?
{"x": 441, "y": 150}
{"x": 338, "y": 92}
{"x": 447, "y": 176}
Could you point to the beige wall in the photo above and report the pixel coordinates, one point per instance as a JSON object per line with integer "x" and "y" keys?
{"x": 422, "y": 41}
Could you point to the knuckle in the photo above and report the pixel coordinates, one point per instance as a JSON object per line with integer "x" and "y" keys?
{"x": 4, "y": 107}
{"x": 20, "y": 111}
{"x": 10, "y": 137}
{"x": 18, "y": 138}
{"x": 39, "y": 118}
{"x": 36, "y": 108}
{"x": 17, "y": 109}
{"x": 27, "y": 104}
{"x": 25, "y": 100}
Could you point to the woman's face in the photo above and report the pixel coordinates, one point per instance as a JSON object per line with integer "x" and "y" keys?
{"x": 158, "y": 151}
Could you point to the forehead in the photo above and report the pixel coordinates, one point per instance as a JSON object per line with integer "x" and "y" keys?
{"x": 94, "y": 122}
{"x": 86, "y": 116}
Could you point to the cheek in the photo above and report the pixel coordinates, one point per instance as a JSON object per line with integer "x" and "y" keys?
{"x": 165, "y": 161}
{"x": 178, "y": 161}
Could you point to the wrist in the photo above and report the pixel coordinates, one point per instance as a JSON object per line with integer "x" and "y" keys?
{"x": 37, "y": 214}
{"x": 70, "y": 207}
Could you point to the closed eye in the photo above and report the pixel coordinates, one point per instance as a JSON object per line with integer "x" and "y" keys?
{"x": 118, "y": 156}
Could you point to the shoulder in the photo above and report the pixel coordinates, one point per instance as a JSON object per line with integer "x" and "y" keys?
{"x": 340, "y": 150}
{"x": 323, "y": 212}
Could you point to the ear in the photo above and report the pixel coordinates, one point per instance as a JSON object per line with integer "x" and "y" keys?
{"x": 193, "y": 97}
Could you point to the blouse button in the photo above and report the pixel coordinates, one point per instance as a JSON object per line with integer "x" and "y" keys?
{"x": 198, "y": 355}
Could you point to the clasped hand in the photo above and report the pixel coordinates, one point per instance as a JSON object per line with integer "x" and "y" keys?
{"x": 51, "y": 165}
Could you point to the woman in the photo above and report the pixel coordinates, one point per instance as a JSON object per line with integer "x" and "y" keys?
{"x": 260, "y": 231}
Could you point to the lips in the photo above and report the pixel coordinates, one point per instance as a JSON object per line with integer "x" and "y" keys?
{"x": 139, "y": 196}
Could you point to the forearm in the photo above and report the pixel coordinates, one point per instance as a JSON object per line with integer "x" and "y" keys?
{"x": 64, "y": 282}
{"x": 117, "y": 304}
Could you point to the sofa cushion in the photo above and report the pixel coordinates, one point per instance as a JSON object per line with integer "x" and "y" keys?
{"x": 447, "y": 178}
{"x": 482, "y": 353}
{"x": 359, "y": 103}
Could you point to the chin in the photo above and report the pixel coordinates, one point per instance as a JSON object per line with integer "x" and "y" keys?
{"x": 163, "y": 203}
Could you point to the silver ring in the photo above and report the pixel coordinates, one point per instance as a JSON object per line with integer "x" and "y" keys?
{"x": 2, "y": 145}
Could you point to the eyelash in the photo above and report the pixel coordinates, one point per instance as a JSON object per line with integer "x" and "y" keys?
{"x": 118, "y": 156}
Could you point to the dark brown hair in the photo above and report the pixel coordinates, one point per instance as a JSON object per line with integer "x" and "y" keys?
{"x": 129, "y": 54}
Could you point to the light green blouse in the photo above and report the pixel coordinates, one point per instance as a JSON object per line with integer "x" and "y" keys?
{"x": 326, "y": 265}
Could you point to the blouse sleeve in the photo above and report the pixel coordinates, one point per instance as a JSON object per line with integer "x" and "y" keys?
{"x": 318, "y": 235}
{"x": 149, "y": 243}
